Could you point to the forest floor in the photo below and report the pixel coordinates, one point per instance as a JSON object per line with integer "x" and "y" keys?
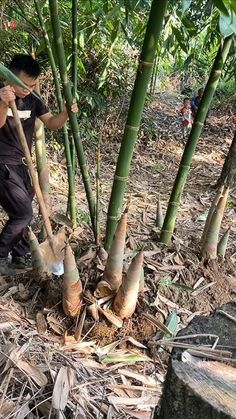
{"x": 115, "y": 372}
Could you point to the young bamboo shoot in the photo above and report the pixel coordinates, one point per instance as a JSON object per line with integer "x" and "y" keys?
{"x": 126, "y": 298}
{"x": 222, "y": 245}
{"x": 72, "y": 287}
{"x": 112, "y": 276}
{"x": 38, "y": 263}
{"x": 209, "y": 247}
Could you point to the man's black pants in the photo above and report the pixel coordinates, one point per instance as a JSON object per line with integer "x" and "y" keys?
{"x": 16, "y": 195}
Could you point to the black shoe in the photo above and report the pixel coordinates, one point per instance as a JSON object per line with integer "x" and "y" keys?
{"x": 20, "y": 262}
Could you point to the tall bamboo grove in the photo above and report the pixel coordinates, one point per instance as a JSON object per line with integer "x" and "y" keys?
{"x": 171, "y": 214}
{"x": 143, "y": 76}
{"x": 60, "y": 51}
{"x": 70, "y": 173}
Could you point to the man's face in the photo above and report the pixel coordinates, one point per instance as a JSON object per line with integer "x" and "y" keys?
{"x": 28, "y": 81}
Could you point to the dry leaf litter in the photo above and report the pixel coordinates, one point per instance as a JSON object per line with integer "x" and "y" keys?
{"x": 53, "y": 367}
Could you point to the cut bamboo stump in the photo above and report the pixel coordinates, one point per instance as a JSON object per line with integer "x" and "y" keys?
{"x": 203, "y": 388}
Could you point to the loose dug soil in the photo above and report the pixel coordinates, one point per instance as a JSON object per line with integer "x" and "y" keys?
{"x": 118, "y": 372}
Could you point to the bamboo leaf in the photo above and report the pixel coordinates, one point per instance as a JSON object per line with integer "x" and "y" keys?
{"x": 127, "y": 358}
{"x": 172, "y": 324}
{"x": 180, "y": 39}
{"x": 221, "y": 7}
{"x": 227, "y": 24}
{"x": 31, "y": 371}
{"x": 61, "y": 390}
{"x": 185, "y": 5}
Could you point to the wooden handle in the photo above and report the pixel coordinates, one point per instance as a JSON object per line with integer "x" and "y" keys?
{"x": 21, "y": 134}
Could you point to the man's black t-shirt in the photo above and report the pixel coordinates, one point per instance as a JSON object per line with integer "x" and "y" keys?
{"x": 29, "y": 108}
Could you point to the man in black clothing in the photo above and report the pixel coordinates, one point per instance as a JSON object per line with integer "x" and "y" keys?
{"x": 16, "y": 192}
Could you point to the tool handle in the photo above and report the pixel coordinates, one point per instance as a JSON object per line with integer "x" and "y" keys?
{"x": 42, "y": 206}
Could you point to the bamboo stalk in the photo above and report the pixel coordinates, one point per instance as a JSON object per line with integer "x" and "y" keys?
{"x": 41, "y": 156}
{"x": 74, "y": 64}
{"x": 53, "y": 6}
{"x": 98, "y": 190}
{"x": 228, "y": 173}
{"x": 171, "y": 214}
{"x": 43, "y": 208}
{"x": 144, "y": 72}
{"x": 159, "y": 214}
{"x": 69, "y": 165}
{"x": 74, "y": 57}
{"x": 152, "y": 83}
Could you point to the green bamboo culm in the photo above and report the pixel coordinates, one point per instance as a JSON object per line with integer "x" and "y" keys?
{"x": 70, "y": 173}
{"x": 53, "y": 6}
{"x": 184, "y": 167}
{"x": 144, "y": 72}
{"x": 41, "y": 156}
{"x": 98, "y": 191}
{"x": 41, "y": 161}
{"x": 74, "y": 65}
{"x": 74, "y": 55}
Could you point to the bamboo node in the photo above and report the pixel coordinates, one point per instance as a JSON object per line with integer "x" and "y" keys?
{"x": 174, "y": 204}
{"x": 145, "y": 63}
{"x": 121, "y": 178}
{"x": 187, "y": 166}
{"x": 132, "y": 128}
{"x": 199, "y": 123}
{"x": 114, "y": 217}
{"x": 166, "y": 231}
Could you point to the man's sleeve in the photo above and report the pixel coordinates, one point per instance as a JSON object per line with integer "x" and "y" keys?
{"x": 41, "y": 108}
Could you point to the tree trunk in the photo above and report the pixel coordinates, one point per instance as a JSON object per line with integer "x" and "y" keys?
{"x": 228, "y": 173}
{"x": 202, "y": 389}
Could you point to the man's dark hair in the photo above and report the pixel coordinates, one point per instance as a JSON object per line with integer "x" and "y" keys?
{"x": 200, "y": 90}
{"x": 186, "y": 98}
{"x": 26, "y": 63}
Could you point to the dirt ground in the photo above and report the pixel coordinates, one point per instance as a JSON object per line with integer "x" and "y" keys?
{"x": 110, "y": 372}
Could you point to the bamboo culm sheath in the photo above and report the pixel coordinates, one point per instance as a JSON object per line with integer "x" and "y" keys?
{"x": 154, "y": 26}
{"x": 171, "y": 214}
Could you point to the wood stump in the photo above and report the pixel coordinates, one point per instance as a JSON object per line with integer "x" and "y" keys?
{"x": 202, "y": 388}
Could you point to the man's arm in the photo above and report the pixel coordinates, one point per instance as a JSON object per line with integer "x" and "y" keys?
{"x": 55, "y": 122}
{"x": 6, "y": 95}
{"x": 3, "y": 113}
